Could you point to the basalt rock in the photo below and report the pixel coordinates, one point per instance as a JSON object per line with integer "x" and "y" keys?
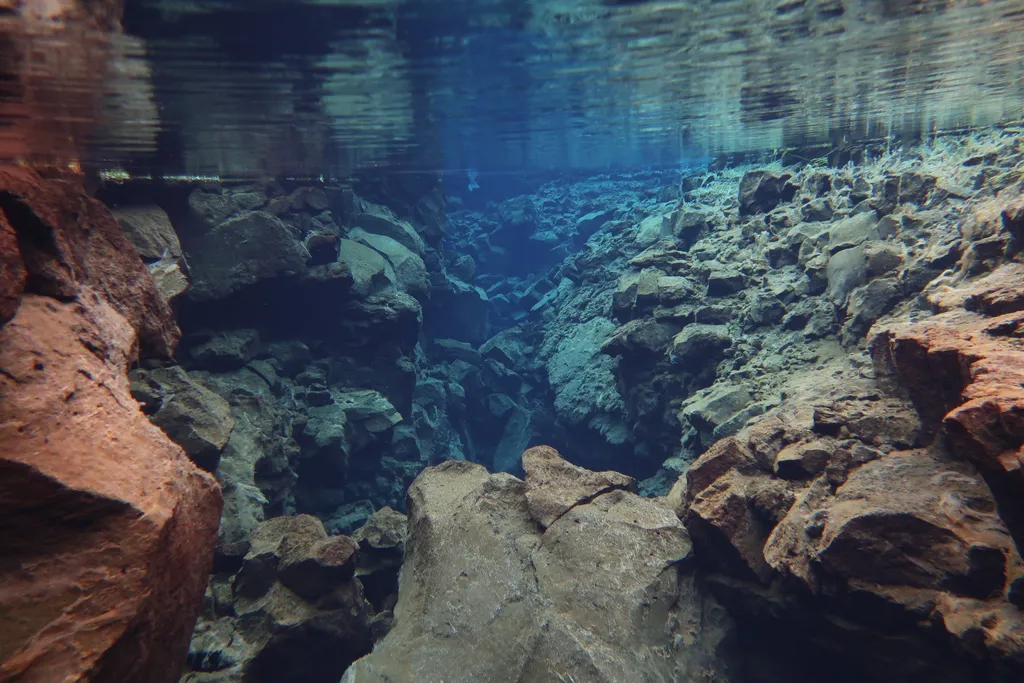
{"x": 293, "y": 613}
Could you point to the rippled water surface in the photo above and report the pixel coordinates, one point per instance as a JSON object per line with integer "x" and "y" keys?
{"x": 261, "y": 87}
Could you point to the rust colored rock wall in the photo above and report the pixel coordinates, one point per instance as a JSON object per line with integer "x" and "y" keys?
{"x": 106, "y": 528}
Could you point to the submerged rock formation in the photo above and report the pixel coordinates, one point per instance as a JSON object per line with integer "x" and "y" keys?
{"x": 873, "y": 528}
{"x": 292, "y": 613}
{"x": 108, "y": 528}
{"x": 566, "y": 576}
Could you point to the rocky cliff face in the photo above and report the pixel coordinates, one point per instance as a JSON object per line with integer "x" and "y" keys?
{"x": 108, "y": 528}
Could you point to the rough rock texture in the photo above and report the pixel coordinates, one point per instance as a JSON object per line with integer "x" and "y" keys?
{"x": 193, "y": 417}
{"x": 12, "y": 271}
{"x": 292, "y": 613}
{"x": 69, "y": 241}
{"x": 603, "y": 594}
{"x": 880, "y": 533}
{"x": 150, "y": 230}
{"x": 557, "y": 486}
{"x": 241, "y": 251}
{"x": 107, "y": 527}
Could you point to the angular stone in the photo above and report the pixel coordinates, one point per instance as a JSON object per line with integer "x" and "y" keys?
{"x": 312, "y": 571}
{"x": 240, "y": 252}
{"x": 803, "y": 460}
{"x": 712, "y": 407}
{"x": 379, "y": 221}
{"x": 853, "y": 231}
{"x": 485, "y": 576}
{"x": 149, "y": 228}
{"x": 193, "y": 417}
{"x": 762, "y": 191}
{"x": 225, "y": 351}
{"x": 554, "y": 486}
{"x": 68, "y": 238}
{"x": 370, "y": 270}
{"x": 700, "y": 342}
{"x": 410, "y": 271}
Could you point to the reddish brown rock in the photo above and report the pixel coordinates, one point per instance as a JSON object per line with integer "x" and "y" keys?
{"x": 12, "y": 271}
{"x": 72, "y": 246}
{"x": 842, "y": 523}
{"x": 108, "y": 529}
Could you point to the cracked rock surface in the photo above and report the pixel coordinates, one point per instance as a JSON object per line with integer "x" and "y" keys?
{"x": 605, "y": 593}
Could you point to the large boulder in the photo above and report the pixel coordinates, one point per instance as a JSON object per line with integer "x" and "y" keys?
{"x": 762, "y": 191}
{"x": 108, "y": 527}
{"x": 241, "y": 251}
{"x": 72, "y": 248}
{"x": 409, "y": 270}
{"x": 602, "y": 594}
{"x": 193, "y": 417}
{"x": 378, "y": 220}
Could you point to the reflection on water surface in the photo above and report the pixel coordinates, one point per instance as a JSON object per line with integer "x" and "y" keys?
{"x": 260, "y": 87}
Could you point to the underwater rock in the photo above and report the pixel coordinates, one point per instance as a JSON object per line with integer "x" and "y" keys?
{"x": 193, "y": 417}
{"x": 12, "y": 271}
{"x": 709, "y": 409}
{"x": 965, "y": 374}
{"x": 149, "y": 228}
{"x": 294, "y": 614}
{"x": 241, "y": 251}
{"x": 381, "y": 543}
{"x": 378, "y": 220}
{"x": 486, "y": 595}
{"x": 762, "y": 191}
{"x": 87, "y": 248}
{"x": 223, "y": 351}
{"x": 459, "y": 311}
{"x": 103, "y": 514}
{"x": 844, "y": 495}
{"x": 370, "y": 271}
{"x": 410, "y": 273}
{"x": 555, "y": 486}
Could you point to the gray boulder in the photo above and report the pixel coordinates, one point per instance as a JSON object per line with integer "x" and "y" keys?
{"x": 149, "y": 229}
{"x": 192, "y": 416}
{"x": 370, "y": 270}
{"x": 409, "y": 269}
{"x": 603, "y": 594}
{"x": 241, "y": 251}
{"x": 762, "y": 191}
{"x": 380, "y": 221}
